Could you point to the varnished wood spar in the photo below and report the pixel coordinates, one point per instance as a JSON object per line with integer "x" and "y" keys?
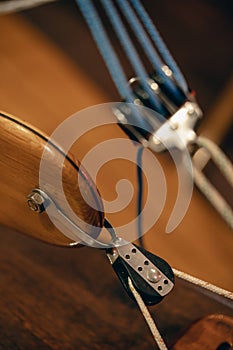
{"x": 21, "y": 150}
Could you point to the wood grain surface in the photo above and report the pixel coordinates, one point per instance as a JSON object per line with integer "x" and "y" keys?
{"x": 67, "y": 298}
{"x": 31, "y": 88}
{"x": 22, "y": 147}
{"x": 212, "y": 332}
{"x": 56, "y": 298}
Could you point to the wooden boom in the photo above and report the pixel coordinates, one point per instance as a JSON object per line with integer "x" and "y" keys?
{"x": 21, "y": 148}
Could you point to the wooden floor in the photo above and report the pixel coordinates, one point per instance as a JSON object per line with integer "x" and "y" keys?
{"x": 55, "y": 298}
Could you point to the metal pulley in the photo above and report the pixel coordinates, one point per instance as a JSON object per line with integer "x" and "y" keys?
{"x": 151, "y": 276}
{"x": 172, "y": 126}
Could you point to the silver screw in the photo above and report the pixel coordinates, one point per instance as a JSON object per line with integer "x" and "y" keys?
{"x": 190, "y": 108}
{"x": 173, "y": 126}
{"x": 167, "y": 71}
{"x": 156, "y": 141}
{"x": 153, "y": 275}
{"x": 36, "y": 202}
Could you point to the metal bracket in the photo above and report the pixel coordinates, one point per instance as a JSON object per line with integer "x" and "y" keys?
{"x": 176, "y": 127}
{"x": 178, "y": 131}
{"x": 40, "y": 200}
{"x": 143, "y": 266}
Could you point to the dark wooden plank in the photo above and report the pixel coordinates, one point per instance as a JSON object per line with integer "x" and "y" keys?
{"x": 62, "y": 298}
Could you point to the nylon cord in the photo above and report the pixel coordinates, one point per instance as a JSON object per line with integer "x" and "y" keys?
{"x": 130, "y": 50}
{"x": 158, "y": 41}
{"x": 218, "y": 157}
{"x": 201, "y": 181}
{"x": 185, "y": 276}
{"x": 109, "y": 55}
{"x": 213, "y": 196}
{"x": 146, "y": 44}
{"x": 206, "y": 285}
{"x": 148, "y": 318}
{"x": 107, "y": 51}
{"x": 110, "y": 58}
{"x": 140, "y": 195}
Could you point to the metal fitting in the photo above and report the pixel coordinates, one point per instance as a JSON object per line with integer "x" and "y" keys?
{"x": 153, "y": 275}
{"x": 178, "y": 130}
{"x": 37, "y": 201}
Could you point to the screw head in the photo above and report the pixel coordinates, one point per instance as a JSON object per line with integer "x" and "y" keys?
{"x": 173, "y": 126}
{"x": 156, "y": 141}
{"x": 153, "y": 275}
{"x": 190, "y": 108}
{"x": 36, "y": 202}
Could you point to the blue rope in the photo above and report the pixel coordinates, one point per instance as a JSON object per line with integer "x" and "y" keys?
{"x": 146, "y": 44}
{"x": 155, "y": 36}
{"x": 112, "y": 62}
{"x": 130, "y": 50}
{"x": 140, "y": 194}
{"x": 103, "y": 43}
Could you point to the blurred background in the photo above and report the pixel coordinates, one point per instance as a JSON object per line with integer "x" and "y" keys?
{"x": 58, "y": 298}
{"x": 198, "y": 34}
{"x": 50, "y": 69}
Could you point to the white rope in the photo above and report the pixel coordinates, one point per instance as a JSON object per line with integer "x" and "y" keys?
{"x": 214, "y": 197}
{"x": 218, "y": 156}
{"x": 19, "y": 5}
{"x": 211, "y": 287}
{"x": 150, "y": 322}
{"x": 186, "y": 277}
{"x": 211, "y": 193}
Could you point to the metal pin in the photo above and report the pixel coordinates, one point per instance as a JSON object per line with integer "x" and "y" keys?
{"x": 153, "y": 275}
